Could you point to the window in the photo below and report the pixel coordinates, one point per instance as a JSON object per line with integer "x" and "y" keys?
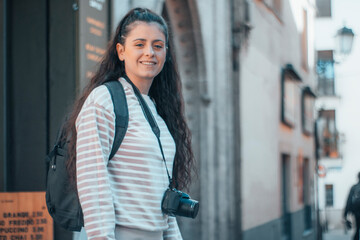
{"x": 304, "y": 41}
{"x": 289, "y": 99}
{"x": 325, "y": 73}
{"x": 308, "y": 99}
{"x": 329, "y": 195}
{"x": 275, "y": 6}
{"x": 289, "y": 89}
{"x": 328, "y": 135}
{"x": 323, "y": 8}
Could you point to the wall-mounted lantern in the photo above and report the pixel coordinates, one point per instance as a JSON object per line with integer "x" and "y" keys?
{"x": 344, "y": 41}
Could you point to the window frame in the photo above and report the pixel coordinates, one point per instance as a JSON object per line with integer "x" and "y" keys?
{"x": 304, "y": 42}
{"x": 329, "y": 202}
{"x": 289, "y": 80}
{"x": 329, "y": 145}
{"x": 320, "y": 13}
{"x": 325, "y": 84}
{"x": 307, "y": 122}
{"x": 275, "y": 6}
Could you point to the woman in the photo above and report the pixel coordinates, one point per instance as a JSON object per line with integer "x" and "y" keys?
{"x": 121, "y": 198}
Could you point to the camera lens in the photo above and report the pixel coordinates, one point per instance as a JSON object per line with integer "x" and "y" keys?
{"x": 188, "y": 208}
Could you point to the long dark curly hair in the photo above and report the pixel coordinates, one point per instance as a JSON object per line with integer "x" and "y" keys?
{"x": 165, "y": 90}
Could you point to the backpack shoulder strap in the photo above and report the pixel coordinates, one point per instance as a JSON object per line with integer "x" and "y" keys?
{"x": 121, "y": 113}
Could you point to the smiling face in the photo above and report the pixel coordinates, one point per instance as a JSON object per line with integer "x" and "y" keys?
{"x": 143, "y": 53}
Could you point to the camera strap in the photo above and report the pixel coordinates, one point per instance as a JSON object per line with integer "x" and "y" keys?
{"x": 151, "y": 120}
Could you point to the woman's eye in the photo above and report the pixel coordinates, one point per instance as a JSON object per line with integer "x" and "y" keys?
{"x": 158, "y": 46}
{"x": 139, "y": 45}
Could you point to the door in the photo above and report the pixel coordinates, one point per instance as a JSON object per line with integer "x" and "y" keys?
{"x": 285, "y": 180}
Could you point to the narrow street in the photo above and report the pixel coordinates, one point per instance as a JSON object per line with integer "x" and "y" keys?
{"x": 338, "y": 234}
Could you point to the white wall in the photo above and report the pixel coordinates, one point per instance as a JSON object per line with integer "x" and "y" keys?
{"x": 272, "y": 44}
{"x": 347, "y": 80}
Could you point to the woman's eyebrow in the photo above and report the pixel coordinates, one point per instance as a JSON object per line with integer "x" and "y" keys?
{"x": 144, "y": 40}
{"x": 159, "y": 40}
{"x": 139, "y": 39}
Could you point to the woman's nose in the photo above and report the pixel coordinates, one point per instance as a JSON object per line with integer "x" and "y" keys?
{"x": 149, "y": 51}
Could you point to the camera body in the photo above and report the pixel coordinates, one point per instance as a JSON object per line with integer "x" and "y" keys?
{"x": 177, "y": 203}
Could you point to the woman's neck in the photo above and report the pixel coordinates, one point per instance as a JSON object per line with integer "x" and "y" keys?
{"x": 141, "y": 83}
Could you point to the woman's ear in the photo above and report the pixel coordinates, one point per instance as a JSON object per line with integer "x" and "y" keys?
{"x": 120, "y": 51}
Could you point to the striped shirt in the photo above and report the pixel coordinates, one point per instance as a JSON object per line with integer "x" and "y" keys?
{"x": 127, "y": 190}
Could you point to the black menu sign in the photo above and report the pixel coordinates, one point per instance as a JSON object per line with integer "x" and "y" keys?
{"x": 93, "y": 37}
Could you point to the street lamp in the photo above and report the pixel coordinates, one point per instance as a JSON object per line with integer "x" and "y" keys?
{"x": 344, "y": 41}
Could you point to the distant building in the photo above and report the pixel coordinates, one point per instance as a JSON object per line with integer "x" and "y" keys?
{"x": 337, "y": 113}
{"x": 277, "y": 86}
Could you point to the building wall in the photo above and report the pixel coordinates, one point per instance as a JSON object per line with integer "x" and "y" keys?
{"x": 341, "y": 172}
{"x": 274, "y": 41}
{"x": 218, "y": 188}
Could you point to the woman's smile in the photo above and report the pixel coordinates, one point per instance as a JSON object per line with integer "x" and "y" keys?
{"x": 149, "y": 63}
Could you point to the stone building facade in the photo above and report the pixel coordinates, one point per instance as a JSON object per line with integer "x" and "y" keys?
{"x": 256, "y": 167}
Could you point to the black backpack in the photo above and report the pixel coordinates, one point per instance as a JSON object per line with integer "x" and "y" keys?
{"x": 355, "y": 199}
{"x": 61, "y": 198}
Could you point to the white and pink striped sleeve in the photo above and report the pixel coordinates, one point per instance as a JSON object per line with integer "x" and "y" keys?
{"x": 95, "y": 132}
{"x": 173, "y": 232}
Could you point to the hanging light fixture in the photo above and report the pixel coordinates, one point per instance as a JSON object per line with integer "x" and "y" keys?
{"x": 344, "y": 41}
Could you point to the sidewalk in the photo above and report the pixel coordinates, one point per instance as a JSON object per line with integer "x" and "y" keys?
{"x": 337, "y": 234}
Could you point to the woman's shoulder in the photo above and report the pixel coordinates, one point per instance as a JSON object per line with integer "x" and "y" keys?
{"x": 100, "y": 96}
{"x": 127, "y": 87}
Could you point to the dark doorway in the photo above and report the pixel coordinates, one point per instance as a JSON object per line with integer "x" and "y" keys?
{"x": 307, "y": 195}
{"x": 38, "y": 77}
{"x": 285, "y": 181}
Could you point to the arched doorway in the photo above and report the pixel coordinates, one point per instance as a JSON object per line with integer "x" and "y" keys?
{"x": 185, "y": 27}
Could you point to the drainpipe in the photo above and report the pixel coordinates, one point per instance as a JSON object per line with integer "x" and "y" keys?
{"x": 317, "y": 157}
{"x": 236, "y": 43}
{"x": 240, "y": 31}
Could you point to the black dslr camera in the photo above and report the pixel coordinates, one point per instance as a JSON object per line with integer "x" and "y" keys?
{"x": 177, "y": 203}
